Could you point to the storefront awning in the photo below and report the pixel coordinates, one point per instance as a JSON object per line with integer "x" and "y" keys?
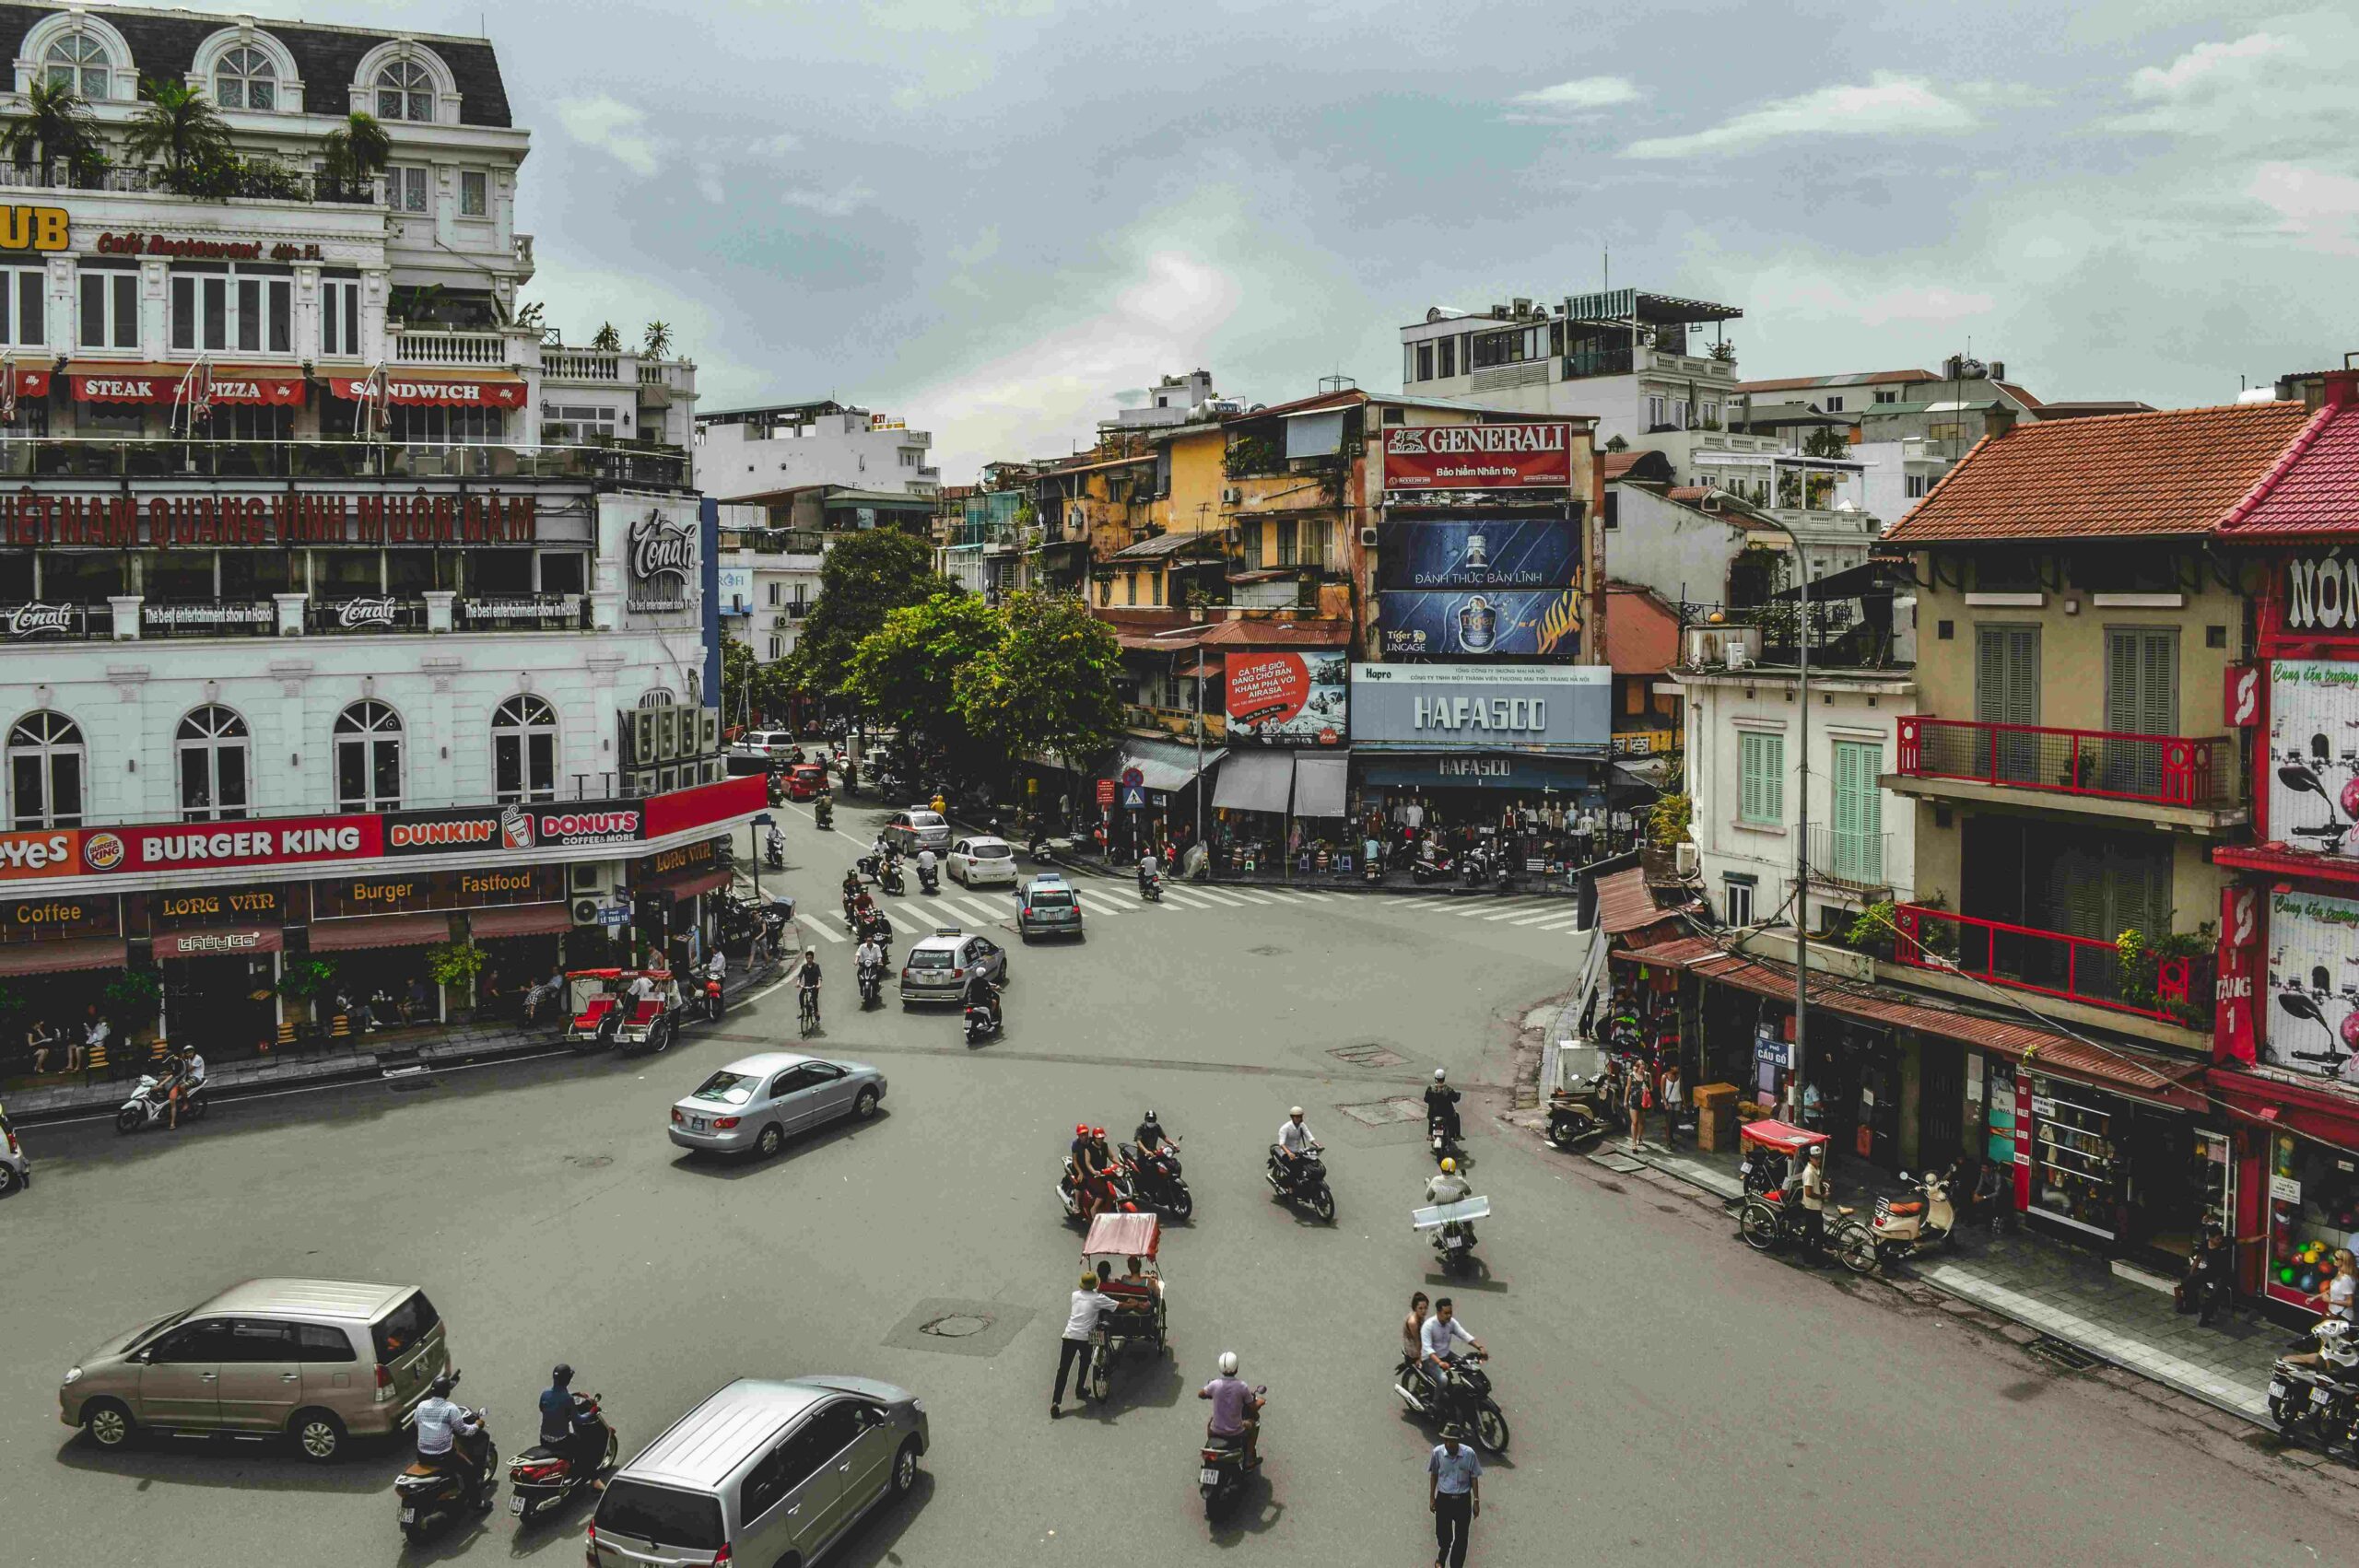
{"x": 1254, "y": 781}
{"x": 688, "y": 884}
{"x": 1320, "y": 783}
{"x": 518, "y": 920}
{"x": 360, "y": 932}
{"x": 57, "y": 957}
{"x": 32, "y": 383}
{"x": 149, "y": 382}
{"x": 1482, "y": 771}
{"x": 1164, "y": 764}
{"x": 226, "y": 941}
{"x": 480, "y": 389}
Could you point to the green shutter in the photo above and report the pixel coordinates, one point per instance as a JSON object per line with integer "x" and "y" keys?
{"x": 1858, "y": 813}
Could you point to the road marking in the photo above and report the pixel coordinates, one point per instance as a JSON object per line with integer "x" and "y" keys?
{"x": 1223, "y": 897}
{"x": 1552, "y": 915}
{"x": 1110, "y": 906}
{"x": 1250, "y": 897}
{"x": 1187, "y": 900}
{"x": 821, "y": 930}
{"x": 980, "y": 910}
{"x": 1520, "y": 907}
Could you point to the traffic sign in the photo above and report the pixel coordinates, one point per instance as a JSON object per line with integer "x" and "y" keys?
{"x": 1132, "y": 777}
{"x": 614, "y": 914}
{"x": 1105, "y": 792}
{"x": 1134, "y": 797}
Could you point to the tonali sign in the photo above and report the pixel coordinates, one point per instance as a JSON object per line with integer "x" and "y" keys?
{"x": 1535, "y": 454}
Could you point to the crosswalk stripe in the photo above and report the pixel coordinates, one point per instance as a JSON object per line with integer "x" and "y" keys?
{"x": 1521, "y": 906}
{"x": 1222, "y": 897}
{"x": 1429, "y": 903}
{"x": 982, "y": 910}
{"x": 1113, "y": 904}
{"x": 1193, "y": 899}
{"x": 1564, "y": 923}
{"x": 1253, "y": 895}
{"x": 820, "y": 929}
{"x": 1549, "y": 916}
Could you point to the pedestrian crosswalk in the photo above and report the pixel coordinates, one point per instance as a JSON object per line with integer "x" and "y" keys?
{"x": 988, "y": 906}
{"x": 1538, "y": 912}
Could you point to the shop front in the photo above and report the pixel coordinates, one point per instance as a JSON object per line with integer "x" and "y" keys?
{"x": 218, "y": 952}
{"x": 377, "y": 932}
{"x": 1146, "y": 795}
{"x": 676, "y": 911}
{"x": 58, "y": 955}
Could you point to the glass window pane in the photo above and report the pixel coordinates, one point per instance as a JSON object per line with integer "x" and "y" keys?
{"x": 230, "y": 774}
{"x": 184, "y": 312}
{"x": 94, "y": 311}
{"x": 389, "y": 773}
{"x": 261, "y": 94}
{"x": 421, "y": 106}
{"x": 330, "y": 297}
{"x": 66, "y": 788}
{"x": 196, "y": 794}
{"x": 352, "y": 773}
{"x": 543, "y": 757}
{"x": 32, "y": 307}
{"x": 126, "y": 309}
{"x": 389, "y": 105}
{"x": 217, "y": 311}
{"x": 27, "y": 793}
{"x": 282, "y": 317}
{"x": 507, "y": 764}
{"x": 249, "y": 313}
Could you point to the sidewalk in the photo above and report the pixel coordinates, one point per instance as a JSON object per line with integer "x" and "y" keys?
{"x": 2061, "y": 1291}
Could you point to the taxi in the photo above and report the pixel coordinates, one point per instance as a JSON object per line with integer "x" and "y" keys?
{"x": 937, "y": 968}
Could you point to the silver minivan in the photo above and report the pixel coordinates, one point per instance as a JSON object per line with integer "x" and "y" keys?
{"x": 762, "y": 1472}
{"x": 319, "y": 1359}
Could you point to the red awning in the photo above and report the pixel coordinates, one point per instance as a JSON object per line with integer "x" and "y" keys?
{"x": 518, "y": 920}
{"x": 32, "y": 383}
{"x": 56, "y": 957}
{"x": 485, "y": 389}
{"x": 228, "y": 942}
{"x": 361, "y": 931}
{"x": 275, "y": 385}
{"x": 688, "y": 884}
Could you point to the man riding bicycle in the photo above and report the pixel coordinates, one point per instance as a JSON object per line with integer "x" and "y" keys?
{"x": 807, "y": 980}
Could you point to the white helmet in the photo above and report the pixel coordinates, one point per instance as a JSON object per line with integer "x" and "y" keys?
{"x": 1228, "y": 1363}
{"x": 1295, "y": 1112}
{"x": 1440, "y": 1074}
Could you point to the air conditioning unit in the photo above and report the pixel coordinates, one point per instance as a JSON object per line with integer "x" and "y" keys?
{"x": 1368, "y": 537}
{"x": 707, "y": 730}
{"x": 1685, "y": 858}
{"x": 1231, "y": 496}
{"x": 585, "y": 912}
{"x": 1710, "y": 647}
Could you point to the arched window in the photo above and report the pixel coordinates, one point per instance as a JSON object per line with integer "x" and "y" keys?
{"x": 46, "y": 763}
{"x": 79, "y": 63}
{"x": 246, "y": 79}
{"x": 369, "y": 759}
{"x": 523, "y": 750}
{"x": 212, "y": 750}
{"x": 656, "y": 696}
{"x": 404, "y": 91}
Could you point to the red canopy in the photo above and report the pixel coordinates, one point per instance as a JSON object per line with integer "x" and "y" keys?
{"x": 1782, "y": 1135}
{"x": 1128, "y": 1236}
{"x": 486, "y": 389}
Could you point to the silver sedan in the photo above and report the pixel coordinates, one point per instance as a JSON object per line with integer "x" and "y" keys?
{"x": 753, "y": 1105}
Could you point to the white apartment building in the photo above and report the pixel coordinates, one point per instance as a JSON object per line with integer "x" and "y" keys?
{"x": 323, "y": 646}
{"x": 769, "y": 579}
{"x": 745, "y": 452}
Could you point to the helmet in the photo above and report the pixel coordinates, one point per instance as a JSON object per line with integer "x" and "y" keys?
{"x": 560, "y": 1374}
{"x": 1449, "y": 1165}
{"x": 1228, "y": 1363}
{"x": 1295, "y": 1111}
{"x": 441, "y": 1385}
{"x": 1151, "y": 1116}
{"x": 1440, "y": 1074}
{"x": 1097, "y": 1132}
{"x": 1081, "y": 1129}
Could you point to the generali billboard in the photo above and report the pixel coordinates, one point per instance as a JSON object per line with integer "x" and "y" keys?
{"x": 1527, "y": 455}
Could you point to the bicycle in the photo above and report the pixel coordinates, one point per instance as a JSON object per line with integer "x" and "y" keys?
{"x": 810, "y": 1010}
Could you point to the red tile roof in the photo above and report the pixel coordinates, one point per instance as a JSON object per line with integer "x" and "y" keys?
{"x": 2019, "y": 394}
{"x": 1641, "y": 631}
{"x": 1835, "y": 381}
{"x": 1279, "y": 633}
{"x": 1624, "y": 903}
{"x": 2314, "y": 486}
{"x": 2175, "y": 472}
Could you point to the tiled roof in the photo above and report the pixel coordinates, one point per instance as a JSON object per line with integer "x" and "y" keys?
{"x": 1641, "y": 631}
{"x": 1841, "y": 379}
{"x": 2019, "y": 394}
{"x": 1279, "y": 633}
{"x": 2124, "y": 475}
{"x": 1626, "y": 904}
{"x": 2314, "y": 486}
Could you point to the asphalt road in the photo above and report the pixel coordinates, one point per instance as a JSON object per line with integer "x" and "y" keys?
{"x": 1674, "y": 1399}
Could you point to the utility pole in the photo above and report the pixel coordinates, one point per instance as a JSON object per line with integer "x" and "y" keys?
{"x": 1801, "y": 822}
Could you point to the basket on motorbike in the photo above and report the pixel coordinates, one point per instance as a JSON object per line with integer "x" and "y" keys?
{"x": 1138, "y": 1322}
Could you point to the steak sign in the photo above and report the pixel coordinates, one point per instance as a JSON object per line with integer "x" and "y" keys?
{"x": 1526, "y": 455}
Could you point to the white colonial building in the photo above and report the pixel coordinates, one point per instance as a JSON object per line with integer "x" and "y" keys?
{"x": 332, "y": 592}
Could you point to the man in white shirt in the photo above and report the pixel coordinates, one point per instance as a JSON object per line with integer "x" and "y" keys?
{"x": 1294, "y": 1137}
{"x": 1089, "y": 1303}
{"x": 1814, "y": 1191}
{"x": 1441, "y": 1331}
{"x": 443, "y": 1428}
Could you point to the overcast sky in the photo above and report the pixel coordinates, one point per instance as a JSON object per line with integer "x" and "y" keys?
{"x": 997, "y": 218}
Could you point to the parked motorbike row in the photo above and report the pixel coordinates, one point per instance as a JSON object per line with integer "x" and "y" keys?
{"x": 2315, "y": 1396}
{"x": 541, "y": 1479}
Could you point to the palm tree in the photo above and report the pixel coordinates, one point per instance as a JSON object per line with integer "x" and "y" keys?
{"x": 607, "y": 339}
{"x": 658, "y": 342}
{"x": 54, "y": 124}
{"x": 180, "y": 123}
{"x": 356, "y": 151}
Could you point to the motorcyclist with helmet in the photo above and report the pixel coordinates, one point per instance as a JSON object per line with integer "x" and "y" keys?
{"x": 1234, "y": 1404}
{"x": 450, "y": 1435}
{"x": 1441, "y": 1104}
{"x": 1150, "y": 1138}
{"x": 980, "y": 993}
{"x": 1448, "y": 1186}
{"x": 567, "y": 1425}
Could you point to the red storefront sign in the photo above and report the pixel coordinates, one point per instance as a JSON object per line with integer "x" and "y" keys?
{"x": 435, "y": 394}
{"x": 186, "y": 846}
{"x": 275, "y": 520}
{"x": 1105, "y": 792}
{"x": 2240, "y": 701}
{"x": 171, "y": 385}
{"x": 706, "y": 804}
{"x": 48, "y": 851}
{"x": 1537, "y": 454}
{"x": 2234, "y": 1035}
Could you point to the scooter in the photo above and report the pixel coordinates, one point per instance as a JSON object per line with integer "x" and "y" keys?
{"x": 1453, "y": 1225}
{"x": 540, "y": 1480}
{"x": 774, "y": 851}
{"x": 1373, "y": 872}
{"x": 1441, "y": 1139}
{"x": 431, "y": 1497}
{"x": 1151, "y": 888}
{"x": 1903, "y": 1230}
{"x": 2316, "y": 1397}
{"x": 1461, "y": 1394}
{"x": 1125, "y": 1199}
{"x": 149, "y": 1105}
{"x": 1155, "y": 1178}
{"x": 713, "y": 1003}
{"x": 871, "y": 985}
{"x": 1221, "y": 1473}
{"x": 980, "y": 1024}
{"x": 1436, "y": 867}
{"x": 1574, "y": 1122}
{"x": 823, "y": 816}
{"x": 889, "y": 879}
{"x": 1303, "y": 1180}
{"x": 929, "y": 881}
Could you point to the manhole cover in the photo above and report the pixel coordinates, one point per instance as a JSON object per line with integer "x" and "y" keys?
{"x": 1384, "y": 1113}
{"x": 2059, "y": 1354}
{"x": 1369, "y": 1056}
{"x": 951, "y": 1327}
{"x": 956, "y": 1325}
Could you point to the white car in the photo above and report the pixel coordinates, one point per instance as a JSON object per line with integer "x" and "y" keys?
{"x": 980, "y": 861}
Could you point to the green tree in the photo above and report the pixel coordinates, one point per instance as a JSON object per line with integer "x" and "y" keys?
{"x": 657, "y": 344}
{"x": 907, "y": 671}
{"x": 54, "y": 123}
{"x": 179, "y": 125}
{"x": 1826, "y": 441}
{"x": 607, "y": 339}
{"x": 866, "y": 577}
{"x": 1048, "y": 683}
{"x": 356, "y": 151}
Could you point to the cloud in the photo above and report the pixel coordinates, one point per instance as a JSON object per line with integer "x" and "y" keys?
{"x": 612, "y": 127}
{"x": 2320, "y": 211}
{"x": 841, "y": 202}
{"x": 2237, "y": 94}
{"x": 1577, "y": 100}
{"x": 1886, "y": 106}
{"x": 2206, "y": 64}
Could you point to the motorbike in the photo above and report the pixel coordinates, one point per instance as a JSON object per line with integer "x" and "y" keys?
{"x": 870, "y": 867}
{"x": 713, "y": 1003}
{"x": 149, "y": 1103}
{"x": 980, "y": 1024}
{"x": 1441, "y": 1138}
{"x": 1436, "y": 868}
{"x": 1453, "y": 1225}
{"x": 1373, "y": 872}
{"x": 1473, "y": 875}
{"x": 431, "y": 1497}
{"x": 1221, "y": 1472}
{"x": 1903, "y": 1230}
{"x": 544, "y": 1003}
{"x": 889, "y": 879}
{"x": 1151, "y": 889}
{"x": 774, "y": 852}
{"x": 541, "y": 1479}
{"x": 879, "y": 926}
{"x": 929, "y": 881}
{"x": 1155, "y": 1178}
{"x": 1125, "y": 1199}
{"x": 1460, "y": 1393}
{"x": 1303, "y": 1181}
{"x": 823, "y": 816}
{"x": 872, "y": 984}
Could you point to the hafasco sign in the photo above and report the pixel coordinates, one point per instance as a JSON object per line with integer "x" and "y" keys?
{"x": 1561, "y": 708}
{"x": 1535, "y": 454}
{"x": 662, "y": 557}
{"x": 34, "y": 228}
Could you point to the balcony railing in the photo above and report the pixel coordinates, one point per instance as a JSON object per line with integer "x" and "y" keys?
{"x": 256, "y": 182}
{"x": 1841, "y": 857}
{"x": 66, "y": 457}
{"x": 2169, "y": 770}
{"x": 413, "y": 346}
{"x": 2074, "y": 968}
{"x": 582, "y": 365}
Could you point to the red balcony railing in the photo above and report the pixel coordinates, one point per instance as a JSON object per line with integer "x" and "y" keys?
{"x": 2024, "y": 958}
{"x": 2171, "y": 771}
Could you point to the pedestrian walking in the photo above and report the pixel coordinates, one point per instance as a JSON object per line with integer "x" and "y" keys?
{"x": 1089, "y": 1303}
{"x": 1453, "y": 1495}
{"x": 1672, "y": 1099}
{"x": 1637, "y": 1098}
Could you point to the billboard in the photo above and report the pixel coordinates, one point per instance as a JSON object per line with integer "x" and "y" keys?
{"x": 1555, "y": 708}
{"x": 1287, "y": 699}
{"x": 2314, "y": 759}
{"x": 2313, "y": 1017}
{"x": 1479, "y": 553}
{"x": 1446, "y": 624}
{"x": 1528, "y": 455}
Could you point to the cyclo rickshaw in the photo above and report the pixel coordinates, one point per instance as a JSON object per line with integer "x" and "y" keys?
{"x": 1138, "y": 1322}
{"x": 1774, "y": 1152}
{"x": 605, "y": 1015}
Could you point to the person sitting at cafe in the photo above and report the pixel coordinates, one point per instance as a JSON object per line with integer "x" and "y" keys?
{"x": 40, "y": 1040}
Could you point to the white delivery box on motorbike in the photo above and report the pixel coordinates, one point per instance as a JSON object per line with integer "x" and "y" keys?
{"x": 1466, "y": 1211}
